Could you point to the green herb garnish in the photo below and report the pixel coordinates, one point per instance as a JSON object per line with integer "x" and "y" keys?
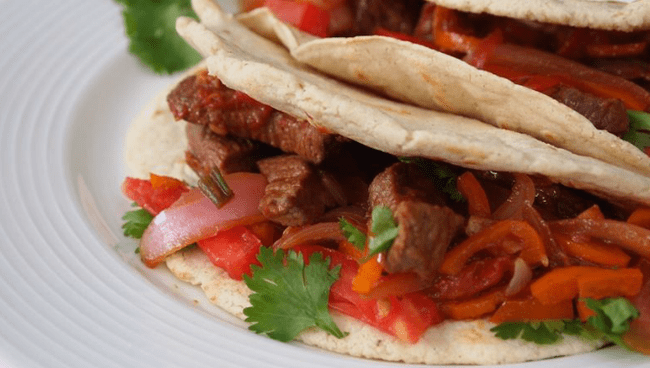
{"x": 611, "y": 321}
{"x": 384, "y": 231}
{"x": 354, "y": 235}
{"x": 639, "y": 133}
{"x": 135, "y": 222}
{"x": 289, "y": 296}
{"x": 151, "y": 28}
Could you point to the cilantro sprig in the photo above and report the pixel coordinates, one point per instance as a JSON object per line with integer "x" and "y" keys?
{"x": 611, "y": 321}
{"x": 290, "y": 296}
{"x": 354, "y": 235}
{"x": 151, "y": 28}
{"x": 639, "y": 133}
{"x": 383, "y": 228}
{"x": 135, "y": 222}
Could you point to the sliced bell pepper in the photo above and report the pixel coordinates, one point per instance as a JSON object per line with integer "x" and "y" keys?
{"x": 531, "y": 309}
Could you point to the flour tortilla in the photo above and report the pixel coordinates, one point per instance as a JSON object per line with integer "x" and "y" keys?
{"x": 468, "y": 342}
{"x": 428, "y": 78}
{"x": 245, "y": 61}
{"x": 621, "y": 15}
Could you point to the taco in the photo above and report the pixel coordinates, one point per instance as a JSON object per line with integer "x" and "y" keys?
{"x": 566, "y": 72}
{"x": 327, "y": 156}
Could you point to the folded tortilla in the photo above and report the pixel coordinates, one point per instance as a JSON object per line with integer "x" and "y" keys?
{"x": 452, "y": 342}
{"x": 247, "y": 62}
{"x": 441, "y": 82}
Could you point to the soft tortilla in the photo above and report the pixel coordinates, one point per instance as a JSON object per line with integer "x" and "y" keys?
{"x": 448, "y": 343}
{"x": 248, "y": 62}
{"x": 621, "y": 15}
{"x": 441, "y": 82}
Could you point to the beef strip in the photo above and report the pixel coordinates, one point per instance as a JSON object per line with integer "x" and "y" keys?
{"x": 400, "y": 182}
{"x": 203, "y": 99}
{"x": 426, "y": 225}
{"x": 229, "y": 154}
{"x": 605, "y": 113}
{"x": 295, "y": 194}
{"x": 398, "y": 16}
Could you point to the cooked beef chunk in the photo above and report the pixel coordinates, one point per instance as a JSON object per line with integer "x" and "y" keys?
{"x": 295, "y": 194}
{"x": 426, "y": 225}
{"x": 398, "y": 16}
{"x": 229, "y": 154}
{"x": 203, "y": 99}
{"x": 401, "y": 182}
{"x": 425, "y": 232}
{"x": 605, "y": 113}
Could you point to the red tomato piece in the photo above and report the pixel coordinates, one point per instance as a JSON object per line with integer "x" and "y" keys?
{"x": 302, "y": 14}
{"x": 233, "y": 250}
{"x": 153, "y": 199}
{"x": 406, "y": 317}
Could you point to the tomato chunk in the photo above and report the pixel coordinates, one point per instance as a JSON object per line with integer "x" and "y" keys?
{"x": 406, "y": 317}
{"x": 233, "y": 250}
{"x": 154, "y": 197}
{"x": 302, "y": 14}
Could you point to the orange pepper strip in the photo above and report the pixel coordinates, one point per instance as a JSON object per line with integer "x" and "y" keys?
{"x": 471, "y": 189}
{"x": 640, "y": 217}
{"x": 446, "y": 34}
{"x": 351, "y": 250}
{"x": 567, "y": 283}
{"x": 531, "y": 309}
{"x": 584, "y": 312}
{"x": 533, "y": 252}
{"x": 164, "y": 182}
{"x": 368, "y": 276}
{"x": 594, "y": 251}
{"x": 474, "y": 308}
{"x": 605, "y": 283}
{"x": 593, "y": 213}
{"x": 627, "y": 236}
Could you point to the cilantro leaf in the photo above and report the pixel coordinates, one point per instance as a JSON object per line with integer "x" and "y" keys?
{"x": 639, "y": 133}
{"x": 151, "y": 28}
{"x": 541, "y": 333}
{"x": 289, "y": 296}
{"x": 612, "y": 318}
{"x": 136, "y": 222}
{"x": 384, "y": 230}
{"x": 354, "y": 235}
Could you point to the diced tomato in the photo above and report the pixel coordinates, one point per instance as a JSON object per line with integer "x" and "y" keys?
{"x": 233, "y": 250}
{"x": 154, "y": 198}
{"x": 406, "y": 317}
{"x": 304, "y": 15}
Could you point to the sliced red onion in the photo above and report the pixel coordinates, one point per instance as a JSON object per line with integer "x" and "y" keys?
{"x": 194, "y": 217}
{"x": 310, "y": 234}
{"x": 520, "y": 278}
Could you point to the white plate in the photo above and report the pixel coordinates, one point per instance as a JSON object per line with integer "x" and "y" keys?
{"x": 72, "y": 292}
